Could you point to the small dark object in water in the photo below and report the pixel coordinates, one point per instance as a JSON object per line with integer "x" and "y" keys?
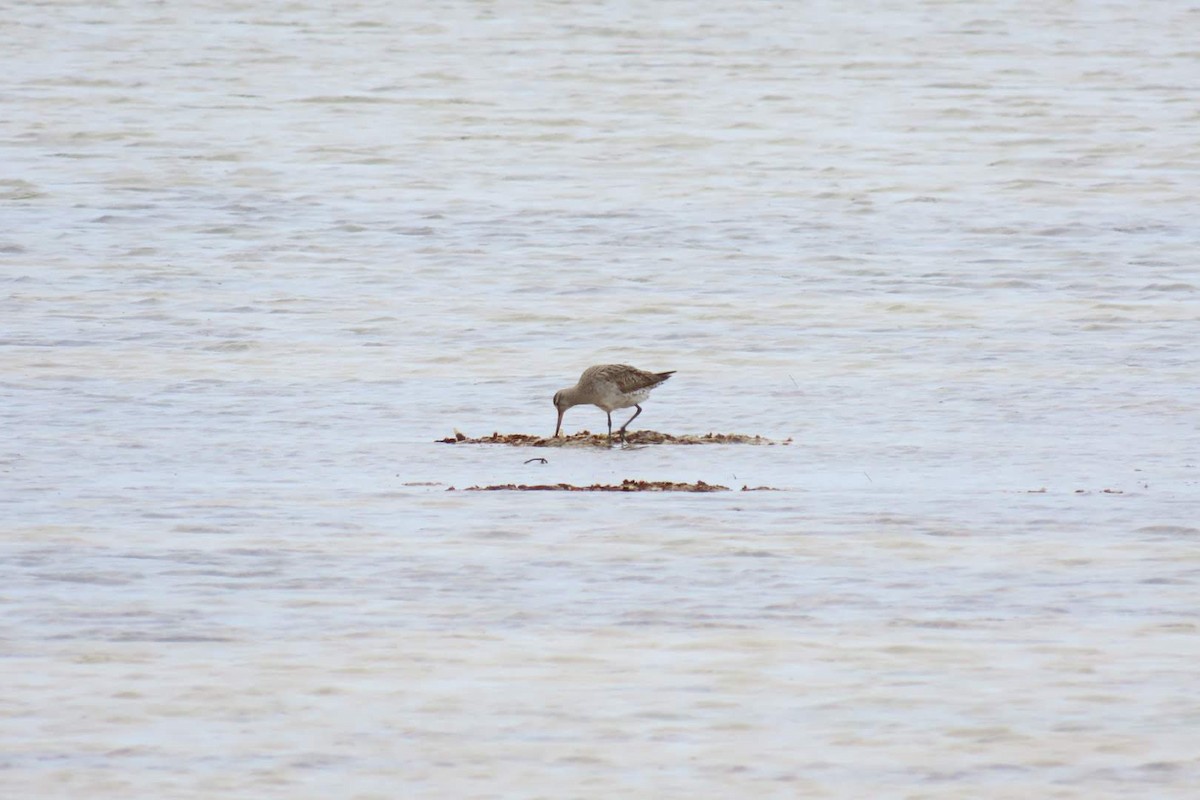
{"x": 541, "y": 460}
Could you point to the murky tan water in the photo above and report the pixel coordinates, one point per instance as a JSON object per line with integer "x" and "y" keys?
{"x": 257, "y": 258}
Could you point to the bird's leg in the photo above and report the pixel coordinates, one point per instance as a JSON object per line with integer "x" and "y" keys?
{"x": 631, "y": 419}
{"x": 609, "y": 426}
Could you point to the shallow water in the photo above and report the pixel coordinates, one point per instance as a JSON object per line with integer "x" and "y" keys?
{"x": 257, "y": 259}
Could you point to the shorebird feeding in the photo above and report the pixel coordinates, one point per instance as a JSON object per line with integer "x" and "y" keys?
{"x": 609, "y": 387}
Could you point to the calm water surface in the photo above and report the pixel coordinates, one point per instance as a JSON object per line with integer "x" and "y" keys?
{"x": 256, "y": 258}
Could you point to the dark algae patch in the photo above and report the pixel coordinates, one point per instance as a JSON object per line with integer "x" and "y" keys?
{"x": 586, "y": 439}
{"x": 626, "y": 485}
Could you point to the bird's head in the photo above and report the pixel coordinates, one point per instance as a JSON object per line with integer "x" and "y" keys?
{"x": 562, "y": 404}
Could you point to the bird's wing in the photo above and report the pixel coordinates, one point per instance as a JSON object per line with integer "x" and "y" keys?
{"x": 630, "y": 379}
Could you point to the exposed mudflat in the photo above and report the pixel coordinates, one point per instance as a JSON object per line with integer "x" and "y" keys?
{"x": 588, "y": 439}
{"x": 626, "y": 485}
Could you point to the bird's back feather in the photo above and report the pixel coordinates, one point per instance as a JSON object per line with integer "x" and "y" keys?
{"x": 627, "y": 379}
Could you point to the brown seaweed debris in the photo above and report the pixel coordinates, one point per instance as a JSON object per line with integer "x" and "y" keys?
{"x": 626, "y": 485}
{"x": 585, "y": 439}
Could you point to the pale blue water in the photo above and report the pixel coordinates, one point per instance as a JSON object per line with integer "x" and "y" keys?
{"x": 256, "y": 259}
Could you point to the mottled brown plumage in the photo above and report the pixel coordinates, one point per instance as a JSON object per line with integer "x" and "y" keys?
{"x": 609, "y": 387}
